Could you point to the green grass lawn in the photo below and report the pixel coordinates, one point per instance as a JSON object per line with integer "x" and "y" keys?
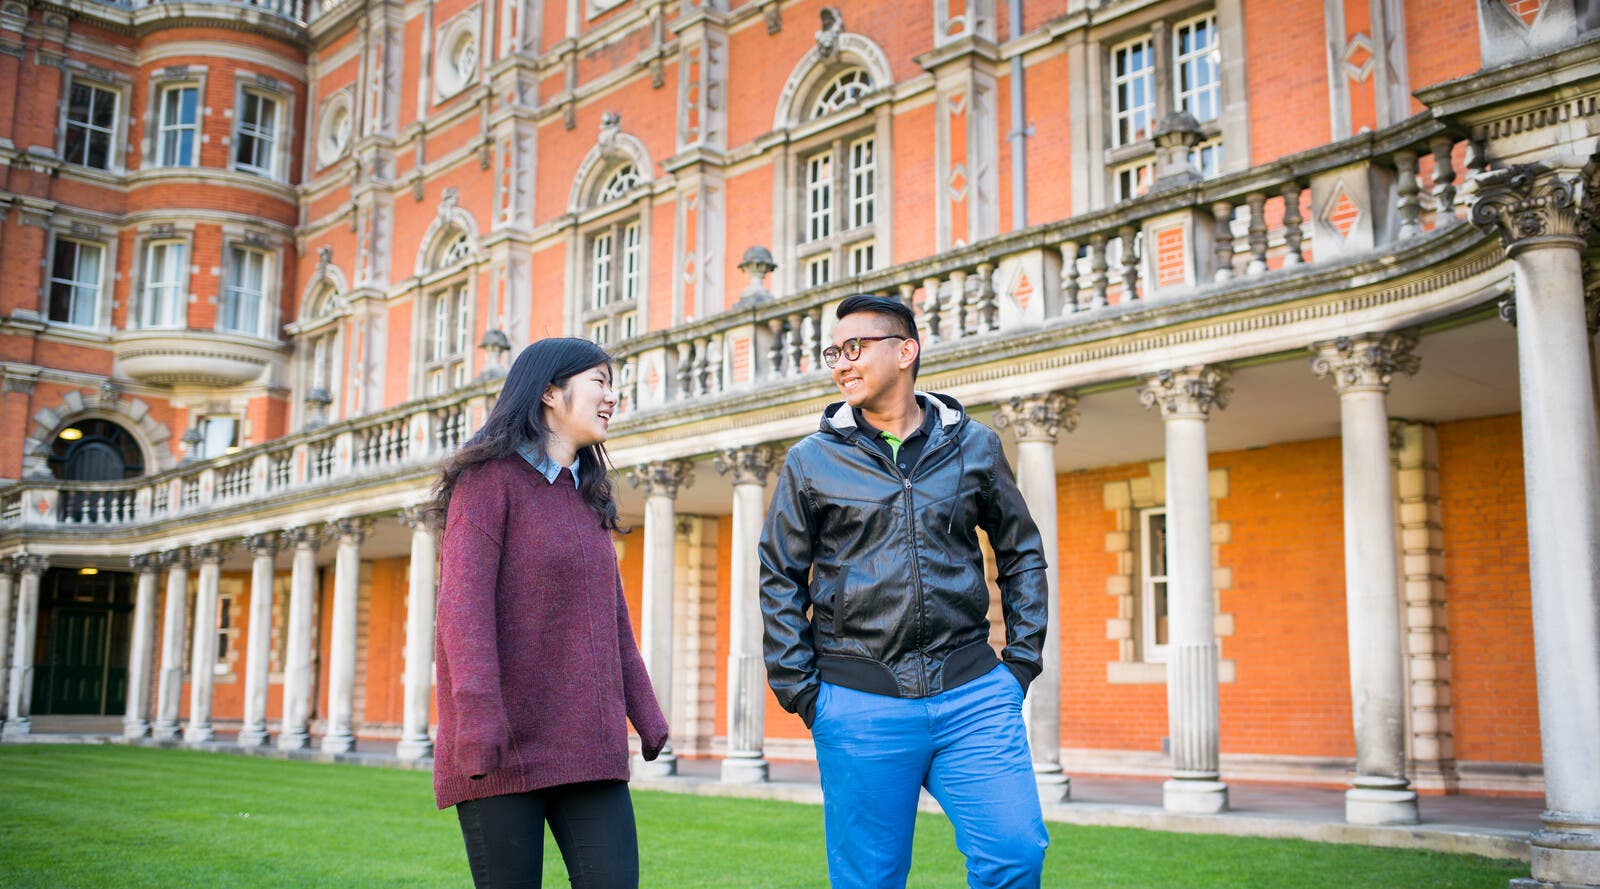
{"x": 82, "y": 816}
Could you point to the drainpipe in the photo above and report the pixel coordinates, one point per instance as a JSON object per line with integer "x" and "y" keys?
{"x": 1019, "y": 127}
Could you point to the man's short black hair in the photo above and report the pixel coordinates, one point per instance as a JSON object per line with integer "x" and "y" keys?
{"x": 901, "y": 320}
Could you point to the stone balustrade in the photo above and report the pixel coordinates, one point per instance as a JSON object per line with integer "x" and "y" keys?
{"x": 1347, "y": 202}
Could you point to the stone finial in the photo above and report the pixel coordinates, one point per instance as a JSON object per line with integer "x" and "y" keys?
{"x": 495, "y": 345}
{"x": 757, "y": 263}
{"x": 191, "y": 444}
{"x": 1177, "y": 133}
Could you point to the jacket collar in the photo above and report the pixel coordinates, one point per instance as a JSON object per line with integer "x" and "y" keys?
{"x": 839, "y": 419}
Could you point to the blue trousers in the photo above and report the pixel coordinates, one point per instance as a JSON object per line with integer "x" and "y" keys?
{"x": 967, "y": 746}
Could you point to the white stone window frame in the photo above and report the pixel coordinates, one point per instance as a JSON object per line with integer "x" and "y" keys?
{"x": 333, "y": 142}
{"x": 323, "y": 311}
{"x": 263, "y": 88}
{"x": 94, "y": 236}
{"x": 177, "y": 77}
{"x": 601, "y": 206}
{"x": 454, "y": 277}
{"x": 116, "y": 151}
{"x": 842, "y": 237}
{"x": 799, "y": 256}
{"x": 1161, "y": 28}
{"x": 1130, "y": 500}
{"x": 271, "y": 274}
{"x": 461, "y": 33}
{"x": 148, "y": 237}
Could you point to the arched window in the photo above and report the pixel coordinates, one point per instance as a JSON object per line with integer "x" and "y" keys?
{"x": 618, "y": 184}
{"x": 95, "y": 450}
{"x": 844, "y": 90}
{"x": 454, "y": 250}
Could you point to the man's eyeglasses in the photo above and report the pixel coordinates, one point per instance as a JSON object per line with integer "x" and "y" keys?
{"x": 851, "y": 348}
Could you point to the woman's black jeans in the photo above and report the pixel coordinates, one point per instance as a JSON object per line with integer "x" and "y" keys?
{"x": 592, "y": 824}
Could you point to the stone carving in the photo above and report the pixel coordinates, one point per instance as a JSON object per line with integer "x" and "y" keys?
{"x": 828, "y": 34}
{"x": 1523, "y": 202}
{"x": 1038, "y": 417}
{"x": 1187, "y": 392}
{"x": 662, "y": 478}
{"x": 1366, "y": 362}
{"x": 749, "y": 466}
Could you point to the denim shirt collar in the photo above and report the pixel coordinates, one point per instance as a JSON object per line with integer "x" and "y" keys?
{"x": 546, "y": 466}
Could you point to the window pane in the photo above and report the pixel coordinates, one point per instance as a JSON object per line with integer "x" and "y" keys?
{"x": 630, "y": 262}
{"x": 844, "y": 90}
{"x": 1132, "y": 91}
{"x": 463, "y": 322}
{"x": 1197, "y": 59}
{"x": 179, "y": 107}
{"x": 75, "y": 283}
{"x": 600, "y": 270}
{"x": 861, "y": 259}
{"x": 257, "y": 133}
{"x": 166, "y": 271}
{"x": 819, "y": 196}
{"x": 91, "y": 119}
{"x": 863, "y": 183}
{"x": 241, "y": 301}
{"x": 819, "y": 271}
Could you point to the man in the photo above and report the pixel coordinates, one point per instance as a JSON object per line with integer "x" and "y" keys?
{"x": 874, "y": 601}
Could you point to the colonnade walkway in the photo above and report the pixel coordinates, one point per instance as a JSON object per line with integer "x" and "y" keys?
{"x": 1495, "y": 827}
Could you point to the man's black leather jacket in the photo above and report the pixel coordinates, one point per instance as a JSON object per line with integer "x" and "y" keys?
{"x": 874, "y": 580}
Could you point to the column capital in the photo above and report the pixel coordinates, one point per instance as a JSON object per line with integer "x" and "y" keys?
{"x": 143, "y": 562}
{"x": 418, "y": 515}
{"x": 1038, "y": 417}
{"x": 259, "y": 545}
{"x": 1528, "y": 204}
{"x": 350, "y": 530}
{"x": 307, "y": 537}
{"x": 177, "y": 559}
{"x": 213, "y": 553}
{"x": 1367, "y": 362}
{"x": 1187, "y": 392}
{"x": 662, "y": 478}
{"x": 749, "y": 466}
{"x": 30, "y": 563}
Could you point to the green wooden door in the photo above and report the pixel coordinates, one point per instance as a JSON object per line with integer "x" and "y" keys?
{"x": 78, "y": 677}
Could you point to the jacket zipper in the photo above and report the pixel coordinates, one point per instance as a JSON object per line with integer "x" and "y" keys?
{"x": 911, "y": 535}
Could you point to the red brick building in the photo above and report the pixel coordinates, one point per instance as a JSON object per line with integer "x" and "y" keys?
{"x": 1234, "y": 279}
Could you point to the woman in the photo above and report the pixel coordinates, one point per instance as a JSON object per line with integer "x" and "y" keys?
{"x": 537, "y": 666}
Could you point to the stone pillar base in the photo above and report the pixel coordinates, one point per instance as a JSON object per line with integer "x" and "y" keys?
{"x": 16, "y": 728}
{"x": 135, "y": 729}
{"x": 412, "y": 750}
{"x": 664, "y": 766}
{"x": 253, "y": 737}
{"x": 1194, "y": 797}
{"x": 744, "y": 770}
{"x": 1564, "y": 854}
{"x": 1371, "y": 805}
{"x": 343, "y": 742}
{"x": 198, "y": 734}
{"x": 166, "y": 732}
{"x": 297, "y": 740}
{"x": 1054, "y": 785}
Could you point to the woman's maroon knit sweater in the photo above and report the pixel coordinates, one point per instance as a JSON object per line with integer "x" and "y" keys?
{"x": 538, "y": 671}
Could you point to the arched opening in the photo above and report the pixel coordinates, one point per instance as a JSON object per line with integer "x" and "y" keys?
{"x": 95, "y": 450}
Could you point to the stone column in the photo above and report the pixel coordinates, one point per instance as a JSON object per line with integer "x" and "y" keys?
{"x": 1534, "y": 210}
{"x": 30, "y": 567}
{"x": 203, "y": 653}
{"x": 169, "y": 682}
{"x": 300, "y": 640}
{"x": 414, "y": 741}
{"x": 661, "y": 482}
{"x": 1037, "y": 420}
{"x": 342, "y": 651}
{"x": 747, "y": 672}
{"x": 1361, "y": 368}
{"x": 8, "y": 594}
{"x": 1185, "y": 397}
{"x": 141, "y": 648}
{"x": 263, "y": 551}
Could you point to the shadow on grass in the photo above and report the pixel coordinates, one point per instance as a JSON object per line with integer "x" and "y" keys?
{"x": 129, "y": 817}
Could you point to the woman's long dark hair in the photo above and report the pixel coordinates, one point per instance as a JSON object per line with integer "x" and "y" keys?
{"x": 518, "y": 418}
